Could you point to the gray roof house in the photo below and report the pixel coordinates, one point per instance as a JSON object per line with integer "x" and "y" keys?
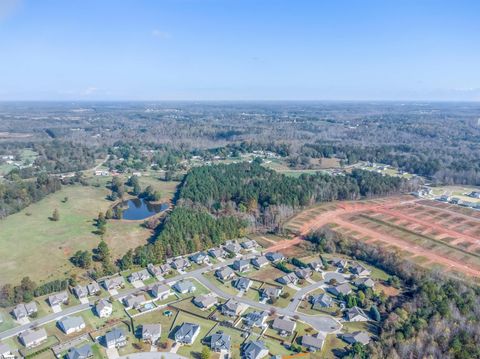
{"x": 199, "y": 258}
{"x": 154, "y": 270}
{"x": 232, "y": 247}
{"x": 231, "y": 308}
{"x": 217, "y": 253}
{"x": 241, "y": 265}
{"x": 181, "y": 264}
{"x": 290, "y": 278}
{"x": 255, "y": 319}
{"x": 313, "y": 342}
{"x": 356, "y": 314}
{"x": 260, "y": 262}
{"x": 243, "y": 283}
{"x": 80, "y": 291}
{"x": 115, "y": 338}
{"x": 303, "y": 273}
{"x": 249, "y": 244}
{"x": 220, "y": 342}
{"x": 316, "y": 265}
{"x": 224, "y": 273}
{"x": 139, "y": 276}
{"x": 33, "y": 338}
{"x": 283, "y": 326}
{"x": 5, "y": 351}
{"x": 321, "y": 301}
{"x": 134, "y": 301}
{"x": 360, "y": 270}
{"x": 58, "y": 299}
{"x": 344, "y": 289}
{"x": 205, "y": 301}
{"x": 357, "y": 337}
{"x": 114, "y": 283}
{"x": 93, "y": 288}
{"x": 103, "y": 308}
{"x": 367, "y": 282}
{"x": 151, "y": 332}
{"x": 187, "y": 333}
{"x": 71, "y": 324}
{"x": 254, "y": 350}
{"x": 83, "y": 352}
{"x": 24, "y": 310}
{"x": 339, "y": 262}
{"x": 270, "y": 292}
{"x": 275, "y": 257}
{"x": 184, "y": 286}
{"x": 160, "y": 291}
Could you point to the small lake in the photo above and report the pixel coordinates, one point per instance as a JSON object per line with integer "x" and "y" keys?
{"x": 136, "y": 209}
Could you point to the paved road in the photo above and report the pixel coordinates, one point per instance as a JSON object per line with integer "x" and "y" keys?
{"x": 153, "y": 355}
{"x": 44, "y": 320}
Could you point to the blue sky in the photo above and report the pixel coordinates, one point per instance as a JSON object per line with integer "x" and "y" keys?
{"x": 239, "y": 50}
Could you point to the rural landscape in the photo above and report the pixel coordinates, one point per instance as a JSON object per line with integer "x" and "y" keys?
{"x": 214, "y": 179}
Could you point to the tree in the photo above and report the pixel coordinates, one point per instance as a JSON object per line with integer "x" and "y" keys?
{"x": 102, "y": 251}
{"x": 109, "y": 214}
{"x": 374, "y": 313}
{"x": 55, "y": 215}
{"x": 205, "y": 353}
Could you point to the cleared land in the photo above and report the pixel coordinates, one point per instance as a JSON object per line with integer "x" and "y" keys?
{"x": 33, "y": 245}
{"x": 432, "y": 234}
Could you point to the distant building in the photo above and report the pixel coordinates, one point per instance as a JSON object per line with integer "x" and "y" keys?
{"x": 260, "y": 262}
{"x": 134, "y": 301}
{"x": 313, "y": 342}
{"x": 33, "y": 338}
{"x": 217, "y": 253}
{"x": 356, "y": 314}
{"x": 275, "y": 257}
{"x": 220, "y": 342}
{"x": 303, "y": 273}
{"x": 366, "y": 282}
{"x": 71, "y": 325}
{"x": 181, "y": 264}
{"x": 360, "y": 270}
{"x": 160, "y": 270}
{"x": 114, "y": 283}
{"x": 160, "y": 291}
{"x": 231, "y": 308}
{"x": 224, "y": 273}
{"x": 200, "y": 258}
{"x": 254, "y": 350}
{"x": 357, "y": 337}
{"x": 84, "y": 352}
{"x": 24, "y": 310}
{"x": 58, "y": 299}
{"x": 184, "y": 287}
{"x": 270, "y": 292}
{"x": 6, "y": 352}
{"x": 343, "y": 289}
{"x": 243, "y": 284}
{"x": 151, "y": 332}
{"x": 317, "y": 266}
{"x": 80, "y": 291}
{"x": 290, "y": 278}
{"x": 255, "y": 319}
{"x": 339, "y": 262}
{"x": 249, "y": 244}
{"x": 283, "y": 326}
{"x": 139, "y": 276}
{"x": 321, "y": 301}
{"x": 205, "y": 301}
{"x": 104, "y": 308}
{"x": 187, "y": 333}
{"x": 232, "y": 247}
{"x": 115, "y": 338}
{"x": 241, "y": 265}
{"x": 93, "y": 288}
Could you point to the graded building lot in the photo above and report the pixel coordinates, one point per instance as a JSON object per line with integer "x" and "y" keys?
{"x": 396, "y": 221}
{"x": 32, "y": 245}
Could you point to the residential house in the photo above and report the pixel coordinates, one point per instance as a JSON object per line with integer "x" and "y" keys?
{"x": 200, "y": 258}
{"x": 343, "y": 289}
{"x": 270, "y": 293}
{"x": 364, "y": 282}
{"x": 220, "y": 342}
{"x": 255, "y": 319}
{"x": 284, "y": 326}
{"x": 241, "y": 265}
{"x": 187, "y": 333}
{"x": 217, "y": 253}
{"x": 225, "y": 273}
{"x": 275, "y": 257}
{"x": 254, "y": 350}
{"x": 160, "y": 270}
{"x": 6, "y": 352}
{"x": 115, "y": 338}
{"x": 356, "y": 314}
{"x": 80, "y": 291}
{"x": 339, "y": 262}
{"x": 134, "y": 301}
{"x": 160, "y": 291}
{"x": 357, "y": 337}
{"x": 289, "y": 278}
{"x": 58, "y": 299}
{"x": 303, "y": 273}
{"x": 360, "y": 270}
{"x": 260, "y": 262}
{"x": 243, "y": 284}
{"x": 71, "y": 325}
{"x": 93, "y": 288}
{"x": 181, "y": 264}
{"x": 83, "y": 352}
{"x": 33, "y": 338}
{"x": 317, "y": 266}
{"x": 151, "y": 333}
{"x": 114, "y": 283}
{"x": 321, "y": 301}
{"x": 24, "y": 310}
{"x": 184, "y": 287}
{"x": 205, "y": 301}
{"x": 139, "y": 276}
{"x": 249, "y": 244}
{"x": 232, "y": 247}
{"x": 313, "y": 342}
{"x": 103, "y": 308}
{"x": 231, "y": 308}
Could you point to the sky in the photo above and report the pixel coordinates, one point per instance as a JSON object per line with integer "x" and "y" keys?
{"x": 239, "y": 50}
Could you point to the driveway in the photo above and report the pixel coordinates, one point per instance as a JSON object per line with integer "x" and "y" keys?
{"x": 138, "y": 284}
{"x": 56, "y": 308}
{"x": 112, "y": 353}
{"x": 153, "y": 355}
{"x": 23, "y": 321}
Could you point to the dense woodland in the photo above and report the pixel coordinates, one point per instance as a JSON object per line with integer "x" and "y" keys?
{"x": 436, "y": 317}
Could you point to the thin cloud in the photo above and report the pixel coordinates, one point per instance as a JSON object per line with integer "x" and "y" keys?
{"x": 89, "y": 91}
{"x": 160, "y": 34}
{"x": 8, "y": 7}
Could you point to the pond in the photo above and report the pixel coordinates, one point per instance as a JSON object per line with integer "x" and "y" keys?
{"x": 136, "y": 209}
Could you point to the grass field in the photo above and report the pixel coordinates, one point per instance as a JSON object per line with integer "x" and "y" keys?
{"x": 33, "y": 245}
